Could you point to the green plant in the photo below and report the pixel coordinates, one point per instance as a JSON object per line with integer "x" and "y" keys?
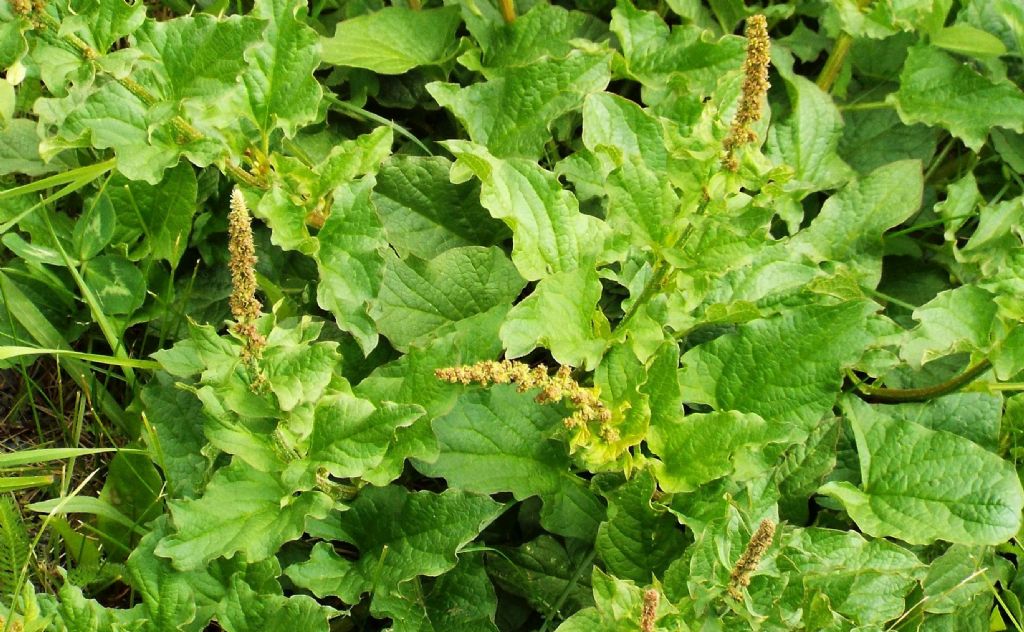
{"x": 516, "y": 316}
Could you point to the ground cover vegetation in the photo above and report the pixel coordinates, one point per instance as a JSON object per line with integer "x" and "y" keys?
{"x": 577, "y": 316}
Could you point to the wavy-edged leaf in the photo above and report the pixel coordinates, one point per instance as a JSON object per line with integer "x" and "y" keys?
{"x": 922, "y": 485}
{"x": 498, "y": 440}
{"x": 393, "y": 40}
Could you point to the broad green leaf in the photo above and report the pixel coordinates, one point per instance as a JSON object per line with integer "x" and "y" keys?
{"x": 1010, "y": 147}
{"x": 79, "y": 614}
{"x": 93, "y": 230}
{"x": 134, "y": 488}
{"x": 175, "y": 416}
{"x": 418, "y": 297}
{"x": 279, "y": 79}
{"x": 512, "y": 113}
{"x": 351, "y": 261}
{"x": 642, "y": 203}
{"x": 241, "y": 511}
{"x": 968, "y": 40}
{"x": 560, "y": 315}
{"x": 962, "y": 198}
{"x": 544, "y": 572}
{"x": 959, "y": 575}
{"x": 250, "y": 437}
{"x": 299, "y": 190}
{"x": 805, "y": 467}
{"x": 545, "y": 31}
{"x": 786, "y": 369}
{"x": 956, "y": 320}
{"x": 198, "y": 57}
{"x": 498, "y": 440}
{"x": 462, "y": 599}
{"x": 298, "y": 372}
{"x": 411, "y": 380}
{"x": 864, "y": 580}
{"x": 423, "y": 535}
{"x": 852, "y": 222}
{"x": 878, "y": 21}
{"x": 936, "y": 89}
{"x": 13, "y": 45}
{"x": 19, "y": 150}
{"x": 154, "y": 219}
{"x": 246, "y": 610}
{"x": 549, "y": 234}
{"x": 393, "y": 40}
{"x": 351, "y": 436}
{"x": 117, "y": 284}
{"x": 637, "y": 540}
{"x": 168, "y": 598}
{"x": 108, "y": 116}
{"x": 808, "y": 138}
{"x": 424, "y": 214}
{"x": 101, "y": 23}
{"x": 922, "y": 485}
{"x": 873, "y": 138}
{"x": 995, "y": 230}
{"x": 700, "y": 448}
{"x": 685, "y": 57}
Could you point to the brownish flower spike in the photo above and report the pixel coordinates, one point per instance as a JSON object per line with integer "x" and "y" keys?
{"x": 244, "y": 305}
{"x": 553, "y": 388}
{"x": 649, "y": 611}
{"x": 755, "y": 87}
{"x": 747, "y": 564}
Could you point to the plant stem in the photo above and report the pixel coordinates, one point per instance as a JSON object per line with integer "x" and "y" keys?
{"x": 585, "y": 563}
{"x": 415, "y": 5}
{"x": 837, "y": 57}
{"x": 905, "y": 395}
{"x": 870, "y": 105}
{"x": 661, "y": 272}
{"x": 835, "y": 62}
{"x": 508, "y": 10}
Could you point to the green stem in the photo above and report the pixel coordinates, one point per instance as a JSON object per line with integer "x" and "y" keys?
{"x": 585, "y": 563}
{"x": 508, "y": 10}
{"x": 835, "y": 62}
{"x": 837, "y": 57}
{"x": 905, "y": 395}
{"x": 870, "y": 105}
{"x": 660, "y": 274}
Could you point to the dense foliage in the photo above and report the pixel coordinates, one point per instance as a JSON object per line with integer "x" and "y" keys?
{"x": 560, "y": 317}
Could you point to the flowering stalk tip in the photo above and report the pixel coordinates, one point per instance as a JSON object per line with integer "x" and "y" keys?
{"x": 650, "y": 608}
{"x": 747, "y": 564}
{"x": 755, "y": 87}
{"x": 245, "y": 307}
{"x": 553, "y": 388}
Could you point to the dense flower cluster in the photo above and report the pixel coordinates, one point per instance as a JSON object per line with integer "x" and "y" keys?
{"x": 755, "y": 87}
{"x": 553, "y": 388}
{"x": 245, "y": 307}
{"x": 747, "y": 564}
{"x": 649, "y": 611}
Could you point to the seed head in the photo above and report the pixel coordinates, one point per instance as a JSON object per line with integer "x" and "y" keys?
{"x": 244, "y": 305}
{"x": 755, "y": 87}
{"x": 651, "y": 598}
{"x": 747, "y": 564}
{"x": 553, "y": 388}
